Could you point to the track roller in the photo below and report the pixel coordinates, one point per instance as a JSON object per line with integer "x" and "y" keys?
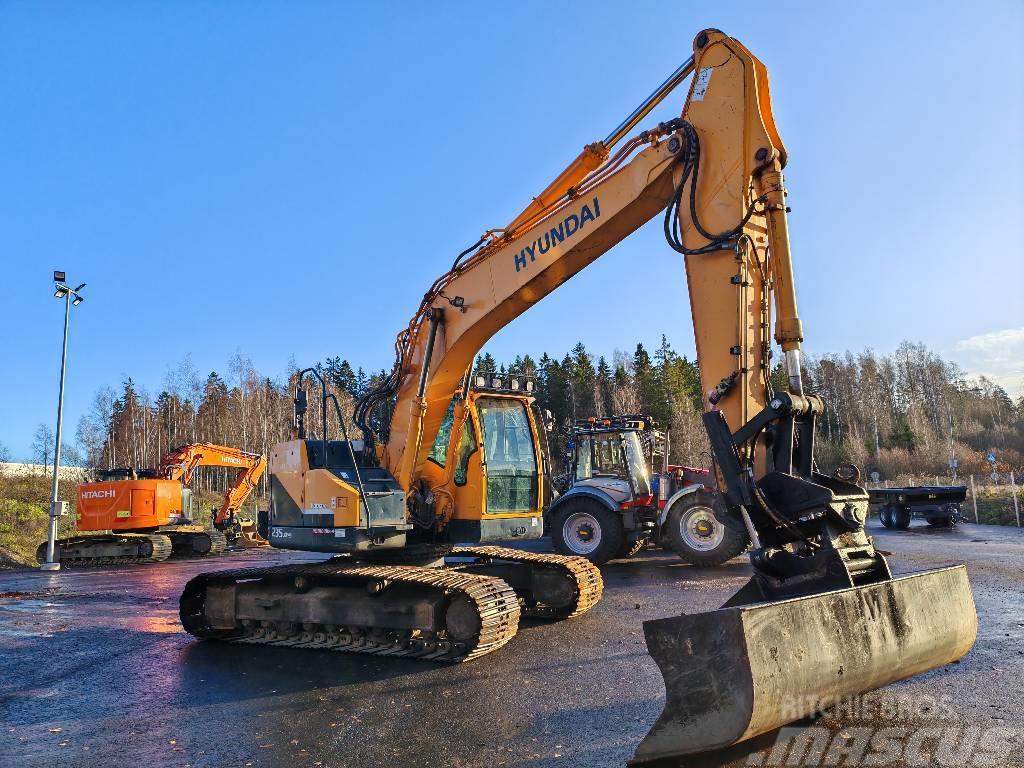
{"x": 109, "y": 549}
{"x": 549, "y": 586}
{"x": 424, "y": 613}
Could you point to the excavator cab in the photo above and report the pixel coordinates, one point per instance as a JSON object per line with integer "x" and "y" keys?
{"x": 482, "y": 479}
{"x": 486, "y": 467}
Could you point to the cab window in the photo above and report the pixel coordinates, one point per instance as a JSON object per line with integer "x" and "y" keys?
{"x": 439, "y": 453}
{"x": 465, "y": 449}
{"x": 510, "y": 453}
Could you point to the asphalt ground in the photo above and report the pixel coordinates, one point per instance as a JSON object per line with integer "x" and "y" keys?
{"x": 95, "y": 670}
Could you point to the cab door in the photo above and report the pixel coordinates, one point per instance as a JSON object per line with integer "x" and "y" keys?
{"x": 510, "y": 456}
{"x": 143, "y": 508}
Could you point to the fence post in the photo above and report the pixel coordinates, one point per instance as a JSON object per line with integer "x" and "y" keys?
{"x": 937, "y": 480}
{"x": 1016, "y": 506}
{"x": 974, "y": 499}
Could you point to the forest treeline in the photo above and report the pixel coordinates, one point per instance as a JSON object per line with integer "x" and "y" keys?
{"x": 901, "y": 413}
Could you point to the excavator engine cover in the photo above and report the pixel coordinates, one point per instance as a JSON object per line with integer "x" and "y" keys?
{"x": 741, "y": 671}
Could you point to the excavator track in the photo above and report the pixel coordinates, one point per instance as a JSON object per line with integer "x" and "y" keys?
{"x": 589, "y": 583}
{"x": 493, "y": 604}
{"x": 193, "y": 544}
{"x": 91, "y": 551}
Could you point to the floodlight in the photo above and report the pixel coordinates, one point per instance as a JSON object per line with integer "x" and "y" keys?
{"x": 58, "y": 277}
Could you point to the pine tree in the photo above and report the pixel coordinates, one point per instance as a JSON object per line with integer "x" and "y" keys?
{"x": 485, "y": 365}
{"x": 582, "y": 381}
{"x": 652, "y": 395}
{"x": 603, "y": 384}
{"x": 361, "y": 382}
{"x": 340, "y": 375}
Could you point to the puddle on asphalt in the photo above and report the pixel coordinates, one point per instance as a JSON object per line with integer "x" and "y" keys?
{"x": 160, "y": 624}
{"x": 28, "y": 618}
{"x": 38, "y": 617}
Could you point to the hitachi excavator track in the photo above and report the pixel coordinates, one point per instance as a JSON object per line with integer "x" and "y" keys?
{"x": 195, "y": 541}
{"x": 587, "y": 577}
{"x": 110, "y": 549}
{"x": 438, "y": 614}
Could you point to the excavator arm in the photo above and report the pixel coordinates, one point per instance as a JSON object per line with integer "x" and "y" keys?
{"x": 734, "y": 203}
{"x": 181, "y": 463}
{"x": 822, "y": 618}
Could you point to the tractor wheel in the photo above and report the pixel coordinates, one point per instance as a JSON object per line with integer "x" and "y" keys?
{"x": 588, "y": 529}
{"x": 885, "y": 516}
{"x": 697, "y": 536}
{"x": 900, "y": 517}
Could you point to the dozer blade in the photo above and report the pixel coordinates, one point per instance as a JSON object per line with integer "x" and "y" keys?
{"x": 741, "y": 671}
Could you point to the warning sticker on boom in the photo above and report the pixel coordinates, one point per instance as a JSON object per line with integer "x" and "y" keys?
{"x": 700, "y": 85}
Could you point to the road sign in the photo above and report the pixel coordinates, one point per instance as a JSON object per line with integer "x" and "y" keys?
{"x": 990, "y": 457}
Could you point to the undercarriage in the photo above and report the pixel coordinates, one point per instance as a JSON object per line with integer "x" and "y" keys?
{"x": 124, "y": 548}
{"x": 467, "y": 605}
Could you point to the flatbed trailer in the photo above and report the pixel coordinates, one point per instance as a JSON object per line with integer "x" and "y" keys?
{"x": 939, "y": 505}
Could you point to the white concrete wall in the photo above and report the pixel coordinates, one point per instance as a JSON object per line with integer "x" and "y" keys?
{"x": 66, "y": 473}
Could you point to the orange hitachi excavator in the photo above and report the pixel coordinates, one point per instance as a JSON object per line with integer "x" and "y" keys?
{"x": 148, "y": 513}
{"x": 448, "y": 461}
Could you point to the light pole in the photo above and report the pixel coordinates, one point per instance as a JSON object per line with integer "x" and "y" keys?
{"x": 59, "y": 508}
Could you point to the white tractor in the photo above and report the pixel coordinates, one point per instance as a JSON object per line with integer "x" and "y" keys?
{"x": 618, "y": 502}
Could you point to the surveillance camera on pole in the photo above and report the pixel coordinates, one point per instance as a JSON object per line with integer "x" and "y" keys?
{"x": 59, "y": 509}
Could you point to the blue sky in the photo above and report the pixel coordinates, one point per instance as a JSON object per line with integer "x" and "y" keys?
{"x": 286, "y": 179}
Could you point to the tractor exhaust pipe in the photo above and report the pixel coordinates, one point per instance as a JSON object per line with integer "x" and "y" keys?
{"x": 741, "y": 671}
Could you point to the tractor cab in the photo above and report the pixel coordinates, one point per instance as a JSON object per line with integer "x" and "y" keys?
{"x": 616, "y": 455}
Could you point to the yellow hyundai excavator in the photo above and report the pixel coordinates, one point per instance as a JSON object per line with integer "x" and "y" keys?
{"x": 445, "y": 459}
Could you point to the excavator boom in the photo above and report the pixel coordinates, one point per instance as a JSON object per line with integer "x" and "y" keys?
{"x": 717, "y": 175}
{"x": 181, "y": 464}
{"x": 822, "y": 616}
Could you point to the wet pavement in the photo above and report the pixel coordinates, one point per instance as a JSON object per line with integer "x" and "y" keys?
{"x": 96, "y": 671}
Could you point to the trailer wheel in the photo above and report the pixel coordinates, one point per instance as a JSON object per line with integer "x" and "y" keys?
{"x": 588, "y": 529}
{"x": 900, "y": 517}
{"x": 885, "y": 515}
{"x": 940, "y": 522}
{"x": 698, "y": 537}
